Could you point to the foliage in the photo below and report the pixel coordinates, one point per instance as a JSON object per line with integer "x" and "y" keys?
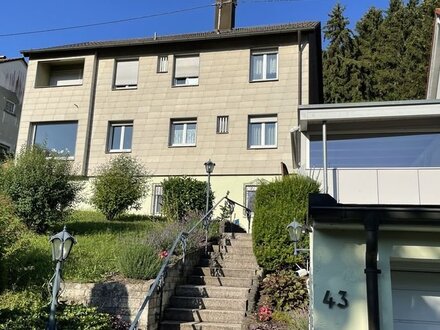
{"x": 297, "y": 319}
{"x": 120, "y": 185}
{"x": 10, "y": 226}
{"x": 40, "y": 186}
{"x": 139, "y": 261}
{"x": 183, "y": 195}
{"x": 28, "y": 310}
{"x": 386, "y": 59}
{"x": 276, "y": 205}
{"x": 284, "y": 291}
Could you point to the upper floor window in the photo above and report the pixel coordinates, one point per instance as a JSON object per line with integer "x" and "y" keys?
{"x": 59, "y": 139}
{"x": 120, "y": 137}
{"x": 183, "y": 132}
{"x": 186, "y": 70}
{"x": 126, "y": 74}
{"x": 264, "y": 65}
{"x": 262, "y": 132}
{"x": 60, "y": 73}
{"x": 377, "y": 150}
{"x": 10, "y": 107}
{"x": 162, "y": 64}
{"x": 222, "y": 124}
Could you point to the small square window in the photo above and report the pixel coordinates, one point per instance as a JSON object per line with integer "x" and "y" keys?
{"x": 262, "y": 132}
{"x": 10, "y": 107}
{"x": 120, "y": 137}
{"x": 264, "y": 65}
{"x": 183, "y": 132}
{"x": 249, "y": 196}
{"x": 126, "y": 74}
{"x": 222, "y": 124}
{"x": 162, "y": 64}
{"x": 157, "y": 200}
{"x": 186, "y": 70}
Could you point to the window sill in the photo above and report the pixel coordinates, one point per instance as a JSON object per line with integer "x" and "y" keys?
{"x": 117, "y": 88}
{"x": 182, "y": 145}
{"x": 10, "y": 113}
{"x": 186, "y": 85}
{"x": 262, "y": 147}
{"x": 263, "y": 80}
{"x": 60, "y": 86}
{"x": 118, "y": 151}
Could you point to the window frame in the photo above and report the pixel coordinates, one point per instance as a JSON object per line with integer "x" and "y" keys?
{"x": 263, "y": 120}
{"x": 34, "y": 126}
{"x": 225, "y": 124}
{"x": 265, "y": 53}
{"x": 45, "y": 70}
{"x": 159, "y": 69}
{"x": 122, "y": 138}
{"x": 115, "y": 73}
{"x": 13, "y": 111}
{"x": 156, "y": 200}
{"x": 187, "y": 79}
{"x": 185, "y": 122}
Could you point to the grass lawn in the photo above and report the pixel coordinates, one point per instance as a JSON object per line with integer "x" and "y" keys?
{"x": 95, "y": 256}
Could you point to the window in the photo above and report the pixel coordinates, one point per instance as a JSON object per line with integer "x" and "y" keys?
{"x": 60, "y": 73}
{"x": 157, "y": 200}
{"x": 378, "y": 150}
{"x": 264, "y": 65}
{"x": 263, "y": 132}
{"x": 126, "y": 74}
{"x": 249, "y": 196}
{"x": 186, "y": 71}
{"x": 120, "y": 137}
{"x": 183, "y": 132}
{"x": 58, "y": 139}
{"x": 10, "y": 107}
{"x": 222, "y": 124}
{"x": 162, "y": 64}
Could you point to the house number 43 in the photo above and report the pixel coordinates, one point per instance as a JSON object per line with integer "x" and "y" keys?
{"x": 328, "y": 299}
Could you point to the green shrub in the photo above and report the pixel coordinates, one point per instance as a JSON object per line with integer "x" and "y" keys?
{"x": 297, "y": 319}
{"x": 28, "y": 310}
{"x": 40, "y": 186}
{"x": 120, "y": 185}
{"x": 139, "y": 261}
{"x": 284, "y": 291}
{"x": 183, "y": 196}
{"x": 276, "y": 205}
{"x": 10, "y": 226}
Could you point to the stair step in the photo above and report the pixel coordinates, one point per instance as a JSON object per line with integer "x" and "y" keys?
{"x": 182, "y": 325}
{"x": 227, "y": 272}
{"x": 229, "y": 263}
{"x": 239, "y": 243}
{"x": 240, "y": 236}
{"x": 204, "y": 315}
{"x": 231, "y": 256}
{"x": 230, "y": 249}
{"x": 209, "y": 291}
{"x": 208, "y": 303}
{"x": 220, "y": 281}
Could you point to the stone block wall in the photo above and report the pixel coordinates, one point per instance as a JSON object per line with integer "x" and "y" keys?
{"x": 124, "y": 297}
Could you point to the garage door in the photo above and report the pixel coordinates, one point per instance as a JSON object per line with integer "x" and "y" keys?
{"x": 416, "y": 300}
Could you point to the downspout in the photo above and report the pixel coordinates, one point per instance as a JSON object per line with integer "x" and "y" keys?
{"x": 371, "y": 223}
{"x": 86, "y": 158}
{"x": 299, "y": 68}
{"x": 324, "y": 156}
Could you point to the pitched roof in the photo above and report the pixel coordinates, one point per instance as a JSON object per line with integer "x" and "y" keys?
{"x": 236, "y": 32}
{"x": 12, "y": 59}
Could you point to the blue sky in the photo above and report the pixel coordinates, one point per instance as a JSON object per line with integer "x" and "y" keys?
{"x": 27, "y": 15}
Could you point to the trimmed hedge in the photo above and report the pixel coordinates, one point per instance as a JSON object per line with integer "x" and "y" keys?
{"x": 276, "y": 205}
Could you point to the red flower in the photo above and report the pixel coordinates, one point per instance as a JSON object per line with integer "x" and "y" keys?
{"x": 264, "y": 313}
{"x": 163, "y": 254}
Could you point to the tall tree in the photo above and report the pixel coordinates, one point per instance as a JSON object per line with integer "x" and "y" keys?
{"x": 339, "y": 67}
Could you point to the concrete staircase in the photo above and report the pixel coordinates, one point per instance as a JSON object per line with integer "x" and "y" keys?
{"x": 218, "y": 291}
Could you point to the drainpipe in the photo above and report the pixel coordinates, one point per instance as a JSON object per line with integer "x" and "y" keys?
{"x": 85, "y": 167}
{"x": 299, "y": 69}
{"x": 371, "y": 223}
{"x": 324, "y": 155}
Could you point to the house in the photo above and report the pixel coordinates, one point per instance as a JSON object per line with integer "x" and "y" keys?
{"x": 230, "y": 95}
{"x": 12, "y": 84}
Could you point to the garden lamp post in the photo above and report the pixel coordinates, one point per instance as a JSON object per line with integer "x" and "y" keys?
{"x": 209, "y": 167}
{"x": 295, "y": 232}
{"x": 62, "y": 244}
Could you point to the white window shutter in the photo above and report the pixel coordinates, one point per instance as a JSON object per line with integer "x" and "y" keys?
{"x": 187, "y": 66}
{"x": 127, "y": 73}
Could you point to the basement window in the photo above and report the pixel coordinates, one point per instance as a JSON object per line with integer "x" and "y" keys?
{"x": 60, "y": 73}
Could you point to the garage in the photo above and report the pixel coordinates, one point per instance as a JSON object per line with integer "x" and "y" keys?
{"x": 416, "y": 300}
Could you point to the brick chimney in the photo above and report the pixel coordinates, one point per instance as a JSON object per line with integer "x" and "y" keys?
{"x": 225, "y": 15}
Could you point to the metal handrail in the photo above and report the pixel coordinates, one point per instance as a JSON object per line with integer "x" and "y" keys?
{"x": 160, "y": 278}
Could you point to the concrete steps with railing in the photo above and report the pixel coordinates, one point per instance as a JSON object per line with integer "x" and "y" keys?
{"x": 216, "y": 296}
